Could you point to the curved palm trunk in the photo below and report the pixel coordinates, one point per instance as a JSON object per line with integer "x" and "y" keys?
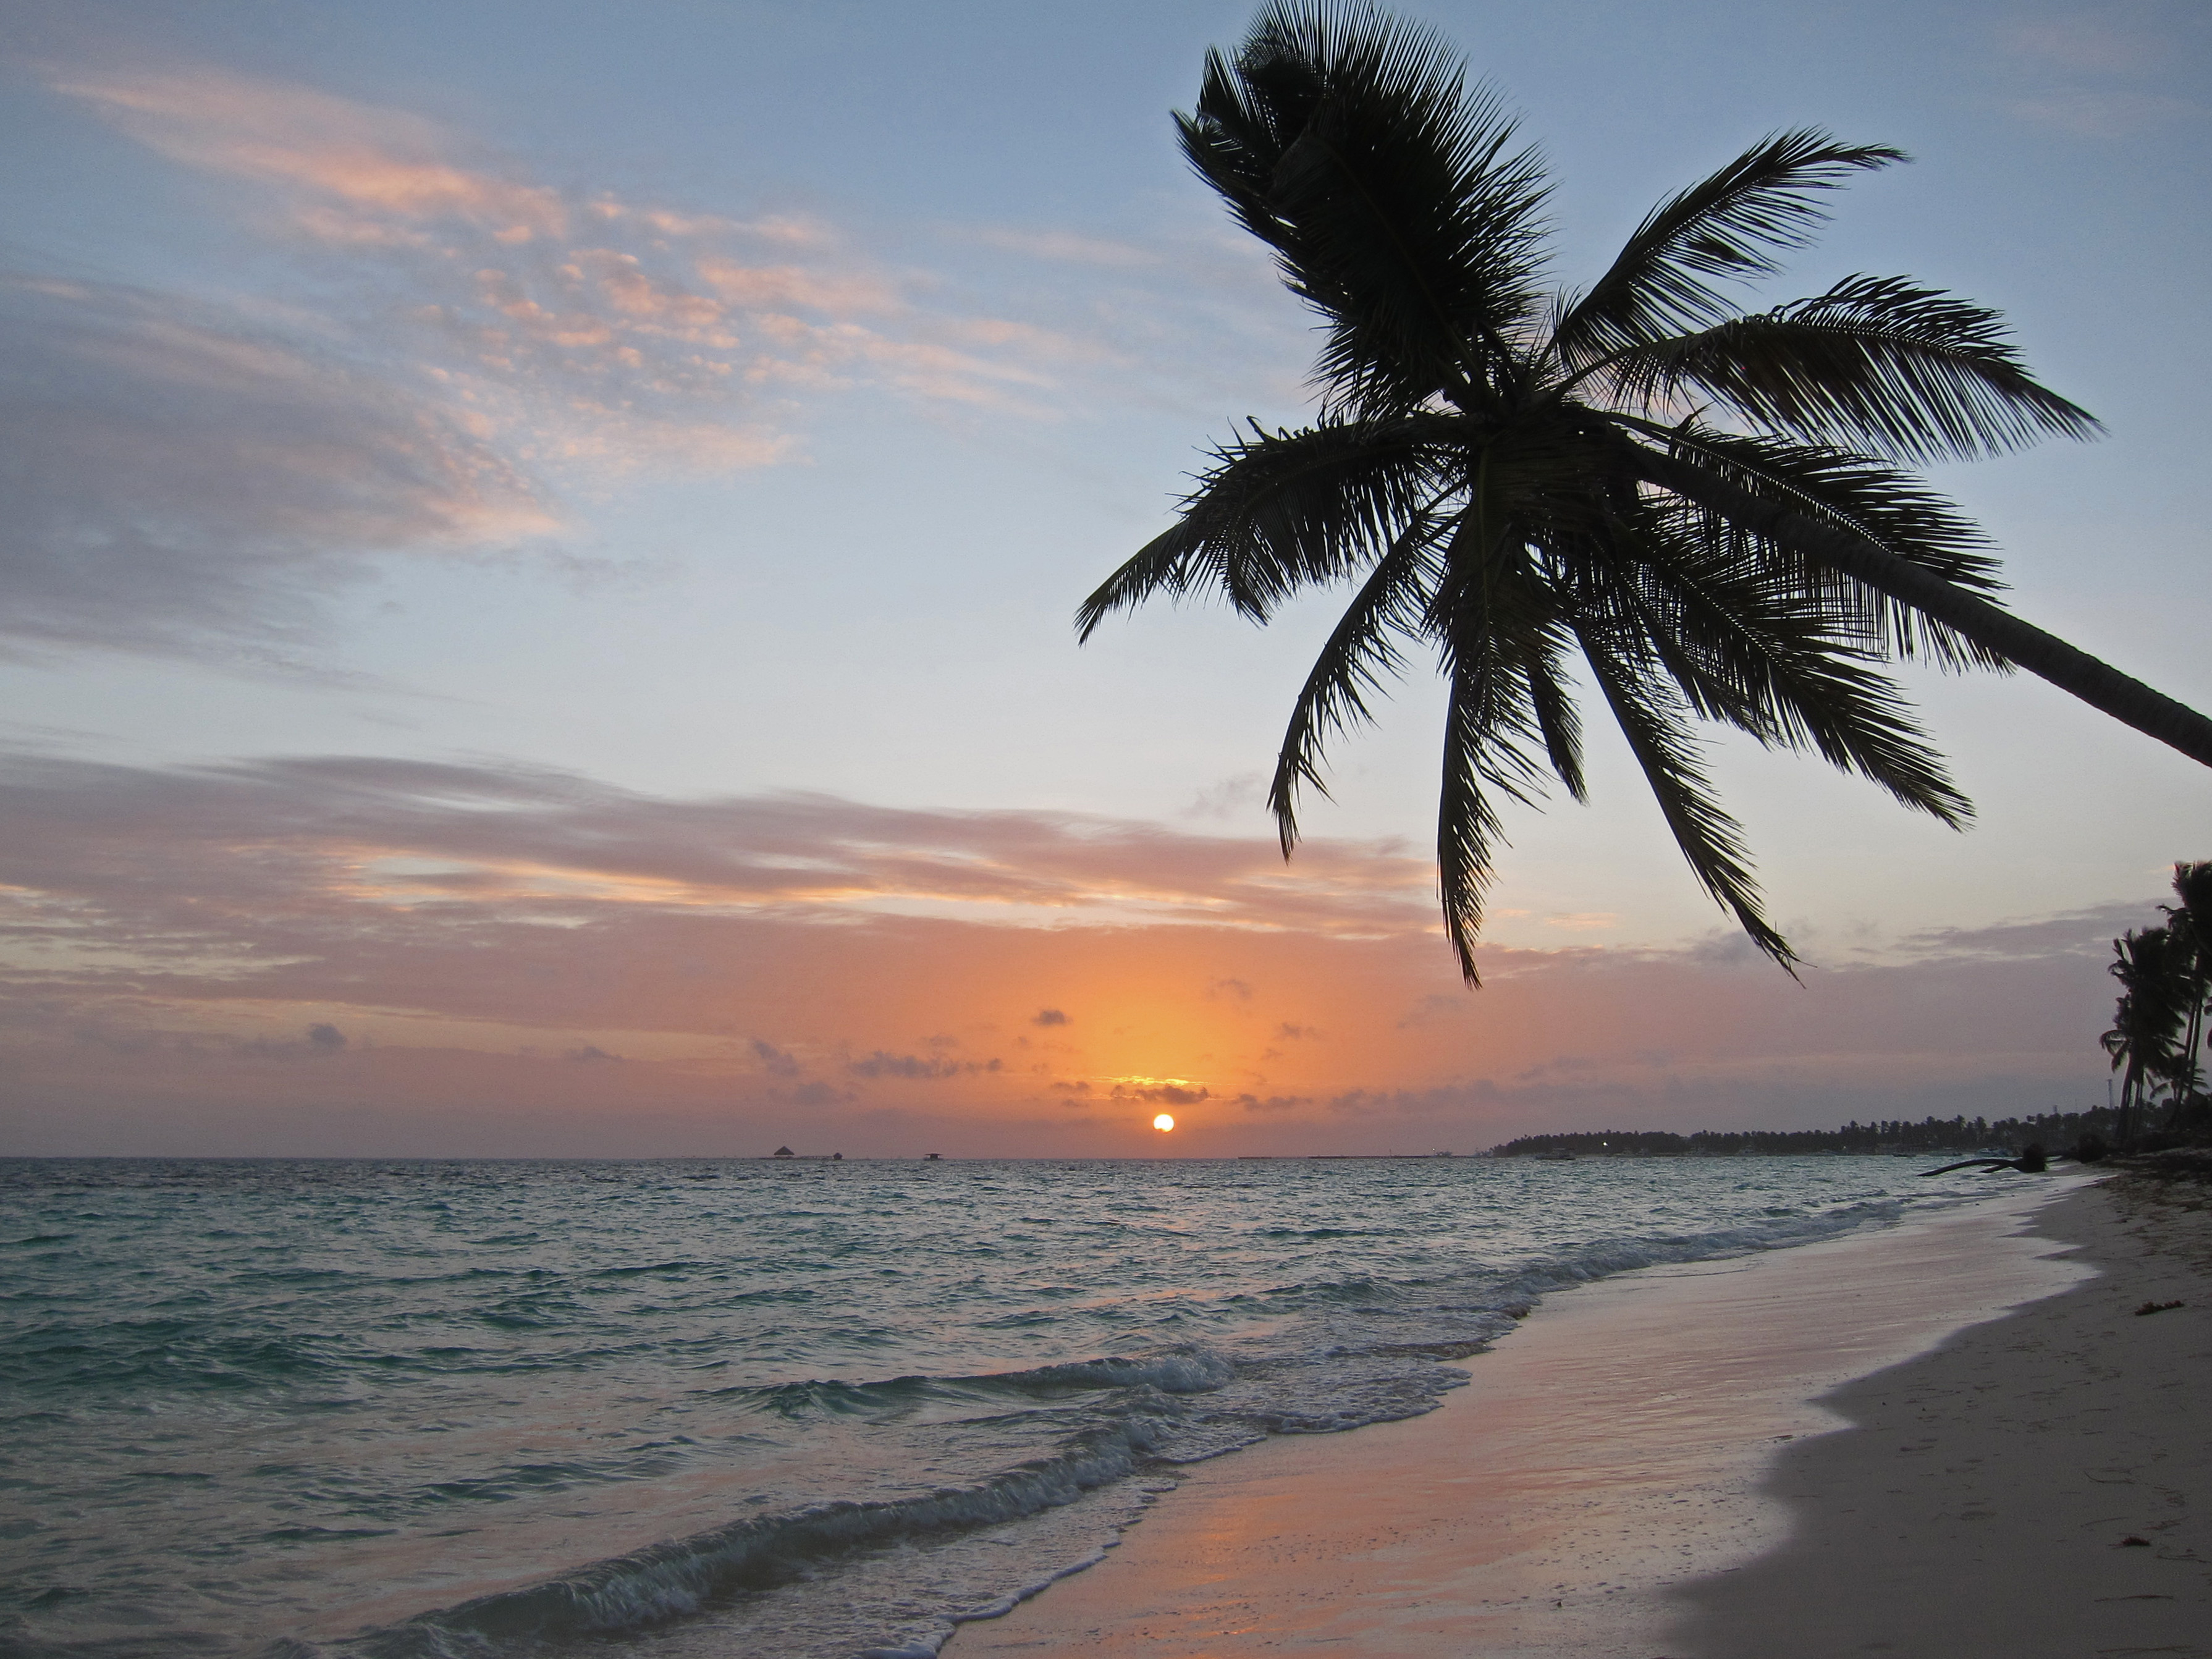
{"x": 2044, "y": 655}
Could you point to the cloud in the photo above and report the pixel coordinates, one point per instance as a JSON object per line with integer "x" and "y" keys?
{"x": 321, "y": 1039}
{"x": 812, "y": 1094}
{"x": 2103, "y": 113}
{"x": 2073, "y": 933}
{"x": 1252, "y": 1102}
{"x": 1050, "y": 1017}
{"x": 604, "y": 330}
{"x": 520, "y": 840}
{"x": 1154, "y": 1092}
{"x": 772, "y": 1060}
{"x": 505, "y": 344}
{"x": 1067, "y": 246}
{"x": 926, "y": 1068}
{"x": 1233, "y": 796}
{"x": 383, "y": 165}
{"x": 165, "y": 934}
{"x": 2104, "y": 73}
{"x": 2080, "y": 43}
{"x": 178, "y": 478}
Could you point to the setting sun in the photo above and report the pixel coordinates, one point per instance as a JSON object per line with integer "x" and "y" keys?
{"x": 1163, "y": 1123}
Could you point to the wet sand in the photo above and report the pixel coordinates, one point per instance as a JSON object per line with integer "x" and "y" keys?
{"x": 1650, "y": 1467}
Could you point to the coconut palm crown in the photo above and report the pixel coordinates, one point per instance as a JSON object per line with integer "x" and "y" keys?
{"x": 1709, "y": 509}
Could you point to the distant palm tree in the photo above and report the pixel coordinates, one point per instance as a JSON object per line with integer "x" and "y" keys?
{"x": 2191, "y": 923}
{"x": 2149, "y": 1016}
{"x": 1692, "y": 501}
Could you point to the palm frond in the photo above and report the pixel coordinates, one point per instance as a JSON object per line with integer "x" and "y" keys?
{"x": 1354, "y": 665}
{"x": 1349, "y": 143}
{"x": 1728, "y": 226}
{"x": 1652, "y": 719}
{"x": 1867, "y": 497}
{"x": 1876, "y": 362}
{"x": 2192, "y": 885}
{"x": 1750, "y": 647}
{"x": 1558, "y": 722}
{"x": 1278, "y": 512}
{"x": 1995, "y": 635}
{"x": 1469, "y": 830}
{"x": 1500, "y": 633}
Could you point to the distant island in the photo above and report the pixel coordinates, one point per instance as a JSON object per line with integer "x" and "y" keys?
{"x": 1931, "y": 1134}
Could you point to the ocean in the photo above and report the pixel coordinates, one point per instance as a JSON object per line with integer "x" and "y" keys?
{"x": 393, "y": 1409}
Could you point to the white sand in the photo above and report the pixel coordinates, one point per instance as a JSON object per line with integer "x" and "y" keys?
{"x": 1980, "y": 1506}
{"x": 1610, "y": 1484}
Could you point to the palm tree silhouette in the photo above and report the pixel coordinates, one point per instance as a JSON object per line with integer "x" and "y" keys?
{"x": 1707, "y": 507}
{"x": 2153, "y": 968}
{"x": 2191, "y": 925}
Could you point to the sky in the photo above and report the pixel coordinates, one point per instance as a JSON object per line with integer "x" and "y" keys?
{"x": 540, "y": 540}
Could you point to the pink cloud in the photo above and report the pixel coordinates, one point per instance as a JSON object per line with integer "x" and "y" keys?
{"x": 684, "y": 313}
{"x": 589, "y": 330}
{"x": 379, "y": 162}
{"x": 776, "y": 287}
{"x": 171, "y": 939}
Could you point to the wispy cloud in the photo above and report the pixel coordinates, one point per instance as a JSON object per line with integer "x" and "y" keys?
{"x": 382, "y": 167}
{"x": 514, "y": 341}
{"x": 525, "y": 844}
{"x": 508, "y": 344}
{"x": 2102, "y": 42}
{"x": 645, "y": 311}
{"x": 180, "y": 477}
{"x": 2106, "y": 73}
{"x": 1068, "y": 247}
{"x": 2104, "y": 112}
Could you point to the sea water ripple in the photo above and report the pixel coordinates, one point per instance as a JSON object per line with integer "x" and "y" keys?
{"x": 412, "y": 1409}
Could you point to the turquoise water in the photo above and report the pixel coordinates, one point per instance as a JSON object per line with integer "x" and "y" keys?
{"x": 731, "y": 1407}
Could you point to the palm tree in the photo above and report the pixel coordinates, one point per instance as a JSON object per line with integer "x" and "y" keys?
{"x": 2148, "y": 1018}
{"x": 1706, "y": 507}
{"x": 2191, "y": 925}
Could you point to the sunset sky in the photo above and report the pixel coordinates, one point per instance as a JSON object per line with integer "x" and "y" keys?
{"x": 540, "y": 540}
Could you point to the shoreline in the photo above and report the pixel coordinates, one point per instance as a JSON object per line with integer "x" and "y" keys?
{"x": 1607, "y": 1483}
{"x": 2042, "y": 1484}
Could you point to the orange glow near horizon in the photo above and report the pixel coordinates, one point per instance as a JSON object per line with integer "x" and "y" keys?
{"x": 1163, "y": 1123}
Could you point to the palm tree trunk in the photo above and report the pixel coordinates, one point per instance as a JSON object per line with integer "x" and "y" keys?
{"x": 2044, "y": 655}
{"x": 2185, "y": 1092}
{"x": 2200, "y": 954}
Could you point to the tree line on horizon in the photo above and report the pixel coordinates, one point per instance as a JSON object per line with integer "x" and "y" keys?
{"x": 1931, "y": 1134}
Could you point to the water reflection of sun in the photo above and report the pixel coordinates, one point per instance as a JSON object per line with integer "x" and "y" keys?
{"x": 1163, "y": 1123}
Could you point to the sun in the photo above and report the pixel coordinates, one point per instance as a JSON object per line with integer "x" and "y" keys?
{"x": 1163, "y": 1123}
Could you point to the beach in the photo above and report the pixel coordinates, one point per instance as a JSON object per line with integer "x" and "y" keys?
{"x": 1934, "y": 1438}
{"x": 1469, "y": 1407}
